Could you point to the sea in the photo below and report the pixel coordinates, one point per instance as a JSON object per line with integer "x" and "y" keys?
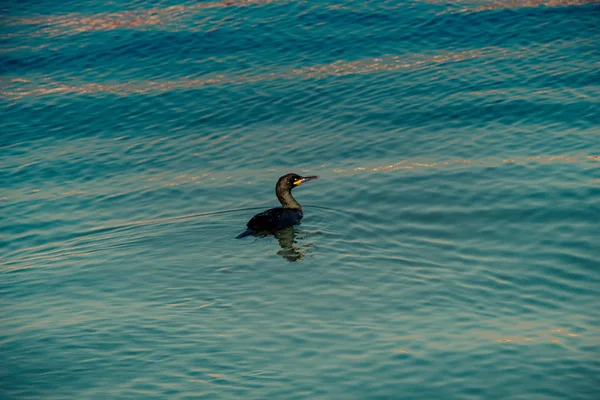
{"x": 449, "y": 250}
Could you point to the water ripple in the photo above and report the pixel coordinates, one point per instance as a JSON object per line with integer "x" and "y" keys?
{"x": 448, "y": 250}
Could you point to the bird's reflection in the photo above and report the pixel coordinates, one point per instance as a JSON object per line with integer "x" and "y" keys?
{"x": 291, "y": 249}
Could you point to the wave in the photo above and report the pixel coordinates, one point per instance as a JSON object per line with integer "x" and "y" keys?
{"x": 19, "y": 87}
{"x": 462, "y": 6}
{"x": 73, "y": 23}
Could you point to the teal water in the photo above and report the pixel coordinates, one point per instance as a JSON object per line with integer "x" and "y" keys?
{"x": 449, "y": 250}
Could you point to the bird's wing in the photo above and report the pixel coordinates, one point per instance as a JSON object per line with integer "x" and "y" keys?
{"x": 265, "y": 219}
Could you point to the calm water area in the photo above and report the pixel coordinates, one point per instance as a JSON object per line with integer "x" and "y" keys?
{"x": 449, "y": 250}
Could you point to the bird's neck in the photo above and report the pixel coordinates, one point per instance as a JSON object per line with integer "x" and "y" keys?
{"x": 287, "y": 200}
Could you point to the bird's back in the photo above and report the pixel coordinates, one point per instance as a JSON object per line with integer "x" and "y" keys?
{"x": 275, "y": 219}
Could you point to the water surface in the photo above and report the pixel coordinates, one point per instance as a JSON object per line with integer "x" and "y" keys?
{"x": 449, "y": 250}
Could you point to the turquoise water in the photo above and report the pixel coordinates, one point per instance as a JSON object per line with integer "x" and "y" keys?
{"x": 449, "y": 249}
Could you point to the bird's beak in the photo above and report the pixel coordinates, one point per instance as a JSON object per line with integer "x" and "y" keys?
{"x": 305, "y": 179}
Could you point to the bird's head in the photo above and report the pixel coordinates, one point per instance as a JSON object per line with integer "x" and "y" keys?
{"x": 290, "y": 181}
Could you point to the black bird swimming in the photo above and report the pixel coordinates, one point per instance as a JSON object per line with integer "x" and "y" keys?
{"x": 280, "y": 217}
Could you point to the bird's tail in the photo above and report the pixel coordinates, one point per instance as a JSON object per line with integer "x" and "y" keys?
{"x": 247, "y": 232}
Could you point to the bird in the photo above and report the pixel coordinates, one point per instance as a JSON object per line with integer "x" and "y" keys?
{"x": 290, "y": 212}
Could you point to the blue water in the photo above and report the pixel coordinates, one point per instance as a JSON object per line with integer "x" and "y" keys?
{"x": 449, "y": 250}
